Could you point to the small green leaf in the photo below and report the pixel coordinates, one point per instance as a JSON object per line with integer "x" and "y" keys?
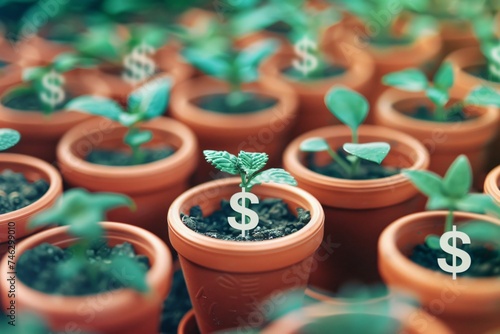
{"x": 376, "y": 151}
{"x": 437, "y": 96}
{"x": 128, "y": 120}
{"x": 315, "y": 144}
{"x": 483, "y": 96}
{"x": 138, "y": 138}
{"x": 458, "y": 178}
{"x": 412, "y": 80}
{"x": 251, "y": 57}
{"x": 68, "y": 61}
{"x": 350, "y": 107}
{"x": 8, "y": 138}
{"x": 223, "y": 161}
{"x": 213, "y": 65}
{"x": 443, "y": 79}
{"x": 275, "y": 175}
{"x": 252, "y": 162}
{"x": 481, "y": 231}
{"x": 151, "y": 98}
{"x": 96, "y": 105}
{"x": 437, "y": 202}
{"x": 478, "y": 203}
{"x": 34, "y": 73}
{"x": 432, "y": 241}
{"x": 427, "y": 182}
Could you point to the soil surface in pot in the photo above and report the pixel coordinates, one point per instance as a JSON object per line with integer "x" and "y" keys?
{"x": 41, "y": 268}
{"x": 485, "y": 261}
{"x": 121, "y": 158}
{"x": 30, "y": 101}
{"x": 329, "y": 71}
{"x": 176, "y": 305}
{"x": 389, "y": 41}
{"x": 275, "y": 221}
{"x": 16, "y": 192}
{"x": 250, "y": 102}
{"x": 367, "y": 170}
{"x": 481, "y": 71}
{"x": 455, "y": 114}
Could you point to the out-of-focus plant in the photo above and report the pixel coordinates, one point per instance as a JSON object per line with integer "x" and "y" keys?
{"x": 8, "y": 138}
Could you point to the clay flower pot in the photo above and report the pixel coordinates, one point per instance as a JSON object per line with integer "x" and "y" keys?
{"x": 118, "y": 311}
{"x": 238, "y": 276}
{"x": 261, "y": 131}
{"x": 466, "y": 305}
{"x": 10, "y": 75}
{"x": 445, "y": 141}
{"x": 492, "y": 184}
{"x": 456, "y": 35}
{"x": 312, "y": 112}
{"x": 188, "y": 324}
{"x": 14, "y": 223}
{"x": 356, "y": 211}
{"x": 34, "y": 50}
{"x": 152, "y": 186}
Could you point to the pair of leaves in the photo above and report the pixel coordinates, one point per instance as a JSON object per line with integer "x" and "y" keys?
{"x": 8, "y": 138}
{"x": 62, "y": 63}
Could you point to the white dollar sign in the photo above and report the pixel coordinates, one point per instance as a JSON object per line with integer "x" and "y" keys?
{"x": 494, "y": 66}
{"x": 52, "y": 93}
{"x": 454, "y": 251}
{"x": 241, "y": 208}
{"x": 308, "y": 61}
{"x": 138, "y": 65}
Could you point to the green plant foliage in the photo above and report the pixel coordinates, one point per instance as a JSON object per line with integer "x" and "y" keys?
{"x": 147, "y": 102}
{"x": 8, "y": 138}
{"x": 375, "y": 152}
{"x": 249, "y": 166}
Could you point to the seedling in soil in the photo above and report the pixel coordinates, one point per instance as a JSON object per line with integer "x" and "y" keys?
{"x": 414, "y": 80}
{"x": 249, "y": 167}
{"x": 452, "y": 193}
{"x": 145, "y": 103}
{"x": 8, "y": 138}
{"x": 82, "y": 212}
{"x": 351, "y": 109}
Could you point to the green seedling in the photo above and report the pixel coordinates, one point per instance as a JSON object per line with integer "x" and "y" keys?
{"x": 8, "y": 138}
{"x": 82, "y": 212}
{"x": 351, "y": 109}
{"x": 452, "y": 193}
{"x": 145, "y": 103}
{"x": 459, "y": 10}
{"x": 414, "y": 80}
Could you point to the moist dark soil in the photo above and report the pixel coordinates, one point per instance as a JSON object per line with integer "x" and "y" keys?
{"x": 31, "y": 102}
{"x": 276, "y": 220}
{"x": 481, "y": 72}
{"x": 279, "y": 27}
{"x": 367, "y": 170}
{"x": 252, "y": 102}
{"x": 485, "y": 261}
{"x": 456, "y": 114}
{"x": 120, "y": 158}
{"x": 39, "y": 268}
{"x": 176, "y": 305}
{"x": 16, "y": 192}
{"x": 325, "y": 73}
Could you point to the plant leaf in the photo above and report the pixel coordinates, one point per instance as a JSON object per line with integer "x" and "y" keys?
{"x": 223, "y": 161}
{"x": 438, "y": 97}
{"x": 481, "y": 231}
{"x": 478, "y": 203}
{"x": 34, "y": 73}
{"x": 432, "y": 241}
{"x": 376, "y": 151}
{"x": 315, "y": 144}
{"x": 138, "y": 138}
{"x": 252, "y": 162}
{"x": 249, "y": 59}
{"x": 275, "y": 175}
{"x": 209, "y": 64}
{"x": 350, "y": 107}
{"x": 483, "y": 96}
{"x": 439, "y": 201}
{"x": 429, "y": 183}
{"x": 458, "y": 178}
{"x": 128, "y": 120}
{"x": 68, "y": 61}
{"x": 443, "y": 79}
{"x": 96, "y": 105}
{"x": 151, "y": 98}
{"x": 8, "y": 138}
{"x": 412, "y": 80}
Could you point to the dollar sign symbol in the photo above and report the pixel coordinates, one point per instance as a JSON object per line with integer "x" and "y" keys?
{"x": 308, "y": 62}
{"x": 245, "y": 212}
{"x": 52, "y": 93}
{"x": 494, "y": 65}
{"x": 454, "y": 251}
{"x": 138, "y": 66}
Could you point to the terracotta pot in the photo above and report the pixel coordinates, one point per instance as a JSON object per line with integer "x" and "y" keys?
{"x": 456, "y": 35}
{"x": 33, "y": 169}
{"x": 463, "y": 60}
{"x": 227, "y": 280}
{"x": 261, "y": 131}
{"x": 7, "y": 49}
{"x": 10, "y": 75}
{"x": 188, "y": 324}
{"x": 492, "y": 184}
{"x": 312, "y": 112}
{"x": 119, "y": 311}
{"x": 35, "y": 50}
{"x": 356, "y": 211}
{"x": 152, "y": 186}
{"x": 445, "y": 141}
{"x": 466, "y": 305}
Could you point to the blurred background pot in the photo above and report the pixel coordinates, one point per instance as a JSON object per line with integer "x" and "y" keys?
{"x": 492, "y": 183}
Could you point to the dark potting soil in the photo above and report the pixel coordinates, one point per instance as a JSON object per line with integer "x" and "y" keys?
{"x": 367, "y": 170}
{"x": 456, "y": 114}
{"x": 39, "y": 268}
{"x": 327, "y": 72}
{"x": 481, "y": 71}
{"x": 485, "y": 262}
{"x": 279, "y": 27}
{"x": 31, "y": 102}
{"x": 16, "y": 191}
{"x": 176, "y": 305}
{"x": 252, "y": 102}
{"x": 275, "y": 221}
{"x": 120, "y": 158}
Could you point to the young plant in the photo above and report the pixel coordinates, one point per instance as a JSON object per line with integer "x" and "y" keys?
{"x": 8, "y": 138}
{"x": 145, "y": 103}
{"x": 351, "y": 109}
{"x": 414, "y": 80}
{"x": 452, "y": 193}
{"x": 82, "y": 212}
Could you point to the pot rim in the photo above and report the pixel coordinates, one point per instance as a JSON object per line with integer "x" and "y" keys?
{"x": 491, "y": 183}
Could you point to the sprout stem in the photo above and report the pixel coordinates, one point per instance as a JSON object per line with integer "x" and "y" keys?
{"x": 449, "y": 222}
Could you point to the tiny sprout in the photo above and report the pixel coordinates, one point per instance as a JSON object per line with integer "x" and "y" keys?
{"x": 451, "y": 193}
{"x": 145, "y": 103}
{"x": 351, "y": 109}
{"x": 8, "y": 138}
